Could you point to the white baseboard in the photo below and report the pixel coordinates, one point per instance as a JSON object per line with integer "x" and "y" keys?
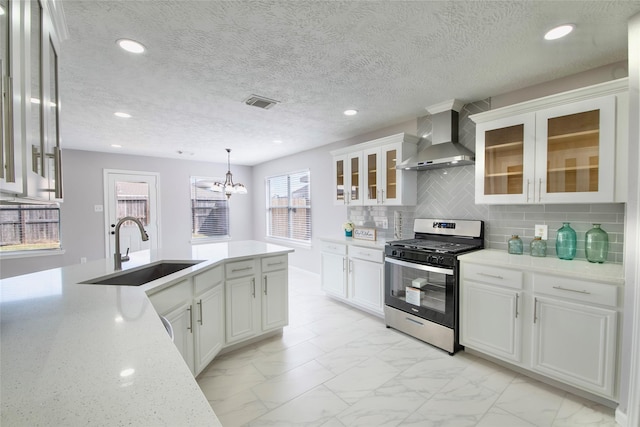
{"x": 621, "y": 418}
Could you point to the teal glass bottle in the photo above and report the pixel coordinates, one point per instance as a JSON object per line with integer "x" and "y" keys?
{"x": 566, "y": 242}
{"x": 538, "y": 247}
{"x": 596, "y": 244}
{"x": 515, "y": 245}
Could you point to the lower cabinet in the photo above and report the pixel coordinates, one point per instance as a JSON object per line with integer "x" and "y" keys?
{"x": 576, "y": 344}
{"x": 354, "y": 274}
{"x": 225, "y": 305}
{"x": 562, "y": 328}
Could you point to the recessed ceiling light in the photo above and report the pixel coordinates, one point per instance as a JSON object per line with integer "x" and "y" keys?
{"x": 130, "y": 45}
{"x": 122, "y": 115}
{"x": 558, "y": 32}
{"x": 277, "y": 141}
{"x": 116, "y": 145}
{"x": 350, "y": 112}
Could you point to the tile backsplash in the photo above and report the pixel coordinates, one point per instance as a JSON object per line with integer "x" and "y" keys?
{"x": 450, "y": 194}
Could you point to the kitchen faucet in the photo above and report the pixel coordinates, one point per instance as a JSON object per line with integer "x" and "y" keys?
{"x": 117, "y": 258}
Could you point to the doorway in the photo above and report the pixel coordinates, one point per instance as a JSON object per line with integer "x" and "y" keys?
{"x": 131, "y": 193}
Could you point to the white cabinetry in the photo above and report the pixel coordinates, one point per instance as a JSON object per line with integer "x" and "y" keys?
{"x": 195, "y": 309}
{"x": 31, "y": 163}
{"x": 257, "y": 297}
{"x": 575, "y": 332}
{"x": 562, "y": 328}
{"x": 354, "y": 274}
{"x": 492, "y": 318}
{"x": 366, "y": 173}
{"x": 243, "y": 318}
{"x": 563, "y": 148}
{"x": 209, "y": 316}
{"x": 176, "y": 304}
{"x": 275, "y": 292}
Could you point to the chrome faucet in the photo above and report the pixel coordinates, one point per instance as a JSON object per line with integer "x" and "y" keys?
{"x": 117, "y": 258}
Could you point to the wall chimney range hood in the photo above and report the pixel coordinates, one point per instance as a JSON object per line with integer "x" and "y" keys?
{"x": 445, "y": 151}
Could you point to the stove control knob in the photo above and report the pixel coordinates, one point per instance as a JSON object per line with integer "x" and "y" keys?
{"x": 433, "y": 259}
{"x": 441, "y": 260}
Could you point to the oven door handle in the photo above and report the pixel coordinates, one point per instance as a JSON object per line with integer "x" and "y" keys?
{"x": 447, "y": 271}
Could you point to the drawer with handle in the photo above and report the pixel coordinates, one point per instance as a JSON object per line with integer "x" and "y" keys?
{"x": 367, "y": 254}
{"x": 493, "y": 275}
{"x": 274, "y": 263}
{"x": 580, "y": 290}
{"x": 240, "y": 269}
{"x": 333, "y": 248}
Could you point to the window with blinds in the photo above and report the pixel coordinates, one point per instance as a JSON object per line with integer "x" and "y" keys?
{"x": 29, "y": 227}
{"x": 209, "y": 210}
{"x": 289, "y": 207}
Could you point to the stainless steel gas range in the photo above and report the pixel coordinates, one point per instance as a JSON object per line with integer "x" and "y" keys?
{"x": 421, "y": 279}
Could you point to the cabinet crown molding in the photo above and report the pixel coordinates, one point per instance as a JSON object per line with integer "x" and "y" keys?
{"x": 588, "y": 92}
{"x": 391, "y": 139}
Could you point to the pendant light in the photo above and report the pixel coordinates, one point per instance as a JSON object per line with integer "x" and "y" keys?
{"x": 228, "y": 187}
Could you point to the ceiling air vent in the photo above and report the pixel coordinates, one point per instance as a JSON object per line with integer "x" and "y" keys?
{"x": 260, "y": 102}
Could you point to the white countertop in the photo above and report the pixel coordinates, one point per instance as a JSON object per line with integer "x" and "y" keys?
{"x": 76, "y": 354}
{"x": 378, "y": 244}
{"x": 576, "y": 268}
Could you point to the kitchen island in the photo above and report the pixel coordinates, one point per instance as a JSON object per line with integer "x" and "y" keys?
{"x": 80, "y": 354}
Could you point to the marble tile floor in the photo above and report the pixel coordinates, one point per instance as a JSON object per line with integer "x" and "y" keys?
{"x": 336, "y": 366}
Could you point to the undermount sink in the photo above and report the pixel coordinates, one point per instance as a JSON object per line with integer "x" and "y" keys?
{"x": 140, "y": 276}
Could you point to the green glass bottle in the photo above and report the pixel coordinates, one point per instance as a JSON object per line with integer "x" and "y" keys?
{"x": 566, "y": 242}
{"x": 515, "y": 245}
{"x": 596, "y": 244}
{"x": 538, "y": 247}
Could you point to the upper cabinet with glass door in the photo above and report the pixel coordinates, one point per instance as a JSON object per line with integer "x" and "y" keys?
{"x": 11, "y": 26}
{"x": 368, "y": 172}
{"x": 564, "y": 148}
{"x": 32, "y": 117}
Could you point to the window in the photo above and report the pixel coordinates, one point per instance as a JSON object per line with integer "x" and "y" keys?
{"x": 209, "y": 210}
{"x": 289, "y": 207}
{"x": 29, "y": 227}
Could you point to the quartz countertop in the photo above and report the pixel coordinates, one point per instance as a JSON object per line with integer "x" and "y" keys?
{"x": 378, "y": 244}
{"x": 576, "y": 268}
{"x": 78, "y": 354}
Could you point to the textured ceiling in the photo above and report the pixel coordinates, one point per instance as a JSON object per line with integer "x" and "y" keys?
{"x": 387, "y": 59}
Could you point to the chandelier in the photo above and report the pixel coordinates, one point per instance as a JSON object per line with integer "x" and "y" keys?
{"x": 228, "y": 187}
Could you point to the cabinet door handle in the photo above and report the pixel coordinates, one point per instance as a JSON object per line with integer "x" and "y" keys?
{"x": 494, "y": 276}
{"x": 57, "y": 157}
{"x": 350, "y": 266}
{"x": 560, "y": 288}
{"x": 539, "y": 189}
{"x": 528, "y": 187}
{"x": 535, "y": 308}
{"x": 253, "y": 284}
{"x": 344, "y": 264}
{"x": 9, "y": 172}
{"x": 265, "y": 284}
{"x": 382, "y": 197}
{"x": 200, "y": 304}
{"x": 517, "y": 297}
{"x": 190, "y": 327}
{"x": 233, "y": 270}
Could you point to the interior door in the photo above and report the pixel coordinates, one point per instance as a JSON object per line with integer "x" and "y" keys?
{"x": 130, "y": 193}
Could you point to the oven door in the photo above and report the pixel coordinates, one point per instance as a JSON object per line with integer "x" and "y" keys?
{"x": 425, "y": 291}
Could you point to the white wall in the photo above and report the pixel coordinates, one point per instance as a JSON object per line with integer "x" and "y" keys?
{"x": 82, "y": 229}
{"x": 326, "y": 218}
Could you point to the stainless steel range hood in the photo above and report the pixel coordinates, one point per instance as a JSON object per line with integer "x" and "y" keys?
{"x": 445, "y": 151}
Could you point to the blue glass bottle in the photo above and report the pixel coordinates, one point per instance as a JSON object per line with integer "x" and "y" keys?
{"x": 515, "y": 245}
{"x": 566, "y": 242}
{"x": 596, "y": 244}
{"x": 538, "y": 247}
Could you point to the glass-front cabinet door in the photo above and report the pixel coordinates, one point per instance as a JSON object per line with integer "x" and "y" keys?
{"x": 372, "y": 176}
{"x": 575, "y": 154}
{"x": 355, "y": 196}
{"x": 339, "y": 180}
{"x": 505, "y": 149}
{"x": 347, "y": 179}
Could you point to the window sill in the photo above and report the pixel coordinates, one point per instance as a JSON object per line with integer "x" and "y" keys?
{"x": 287, "y": 242}
{"x": 31, "y": 254}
